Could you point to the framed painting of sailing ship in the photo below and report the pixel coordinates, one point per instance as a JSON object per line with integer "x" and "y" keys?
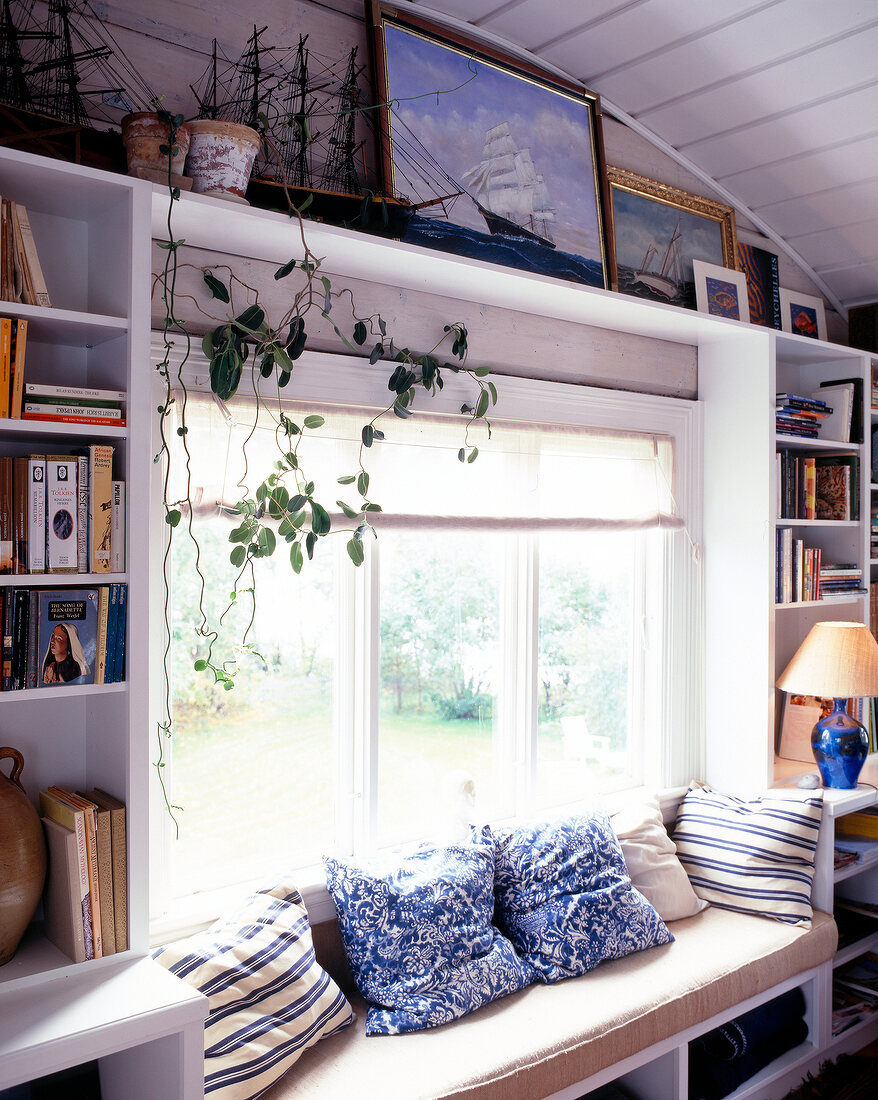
{"x": 497, "y": 160}
{"x": 659, "y": 230}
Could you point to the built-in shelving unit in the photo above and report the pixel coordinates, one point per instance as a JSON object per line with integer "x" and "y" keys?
{"x": 92, "y": 234}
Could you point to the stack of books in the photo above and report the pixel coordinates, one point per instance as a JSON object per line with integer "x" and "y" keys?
{"x": 73, "y": 405}
{"x": 62, "y": 513}
{"x": 21, "y": 274}
{"x": 86, "y": 895}
{"x": 798, "y": 415}
{"x": 843, "y": 579}
{"x": 52, "y": 637}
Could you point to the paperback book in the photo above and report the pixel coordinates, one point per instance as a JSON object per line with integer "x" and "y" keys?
{"x": 68, "y": 636}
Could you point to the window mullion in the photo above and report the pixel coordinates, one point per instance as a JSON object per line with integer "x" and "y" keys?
{"x": 527, "y": 704}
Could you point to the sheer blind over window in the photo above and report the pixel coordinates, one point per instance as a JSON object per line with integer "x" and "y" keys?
{"x": 525, "y": 476}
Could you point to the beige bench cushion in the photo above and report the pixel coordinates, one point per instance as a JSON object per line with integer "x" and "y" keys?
{"x": 545, "y": 1038}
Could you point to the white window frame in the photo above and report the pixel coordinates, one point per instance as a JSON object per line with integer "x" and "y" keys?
{"x": 326, "y": 379}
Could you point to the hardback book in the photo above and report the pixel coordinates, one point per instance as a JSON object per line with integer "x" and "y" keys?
{"x": 33, "y": 629}
{"x": 837, "y": 425}
{"x": 36, "y": 514}
{"x": 28, "y": 248}
{"x": 71, "y": 414}
{"x": 763, "y": 284}
{"x": 67, "y": 639}
{"x": 117, "y": 528}
{"x": 62, "y": 905}
{"x": 837, "y": 491}
{"x": 19, "y": 344}
{"x": 20, "y": 616}
{"x": 100, "y": 510}
{"x": 61, "y": 514}
{"x": 7, "y": 610}
{"x": 119, "y": 846}
{"x": 20, "y": 494}
{"x": 64, "y": 814}
{"x": 856, "y": 429}
{"x": 860, "y": 823}
{"x": 5, "y": 514}
{"x": 103, "y": 836}
{"x": 89, "y": 815}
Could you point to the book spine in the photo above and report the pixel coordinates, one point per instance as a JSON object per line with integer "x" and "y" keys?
{"x": 101, "y": 654}
{"x": 17, "y": 385}
{"x": 117, "y": 528}
{"x": 61, "y": 513}
{"x": 34, "y": 410}
{"x": 6, "y": 514}
{"x": 34, "y": 390}
{"x": 20, "y": 495}
{"x": 82, "y": 516}
{"x": 7, "y": 638}
{"x": 29, "y": 248}
{"x": 5, "y": 364}
{"x": 100, "y": 512}
{"x": 112, "y": 630}
{"x": 65, "y": 418}
{"x": 33, "y": 627}
{"x": 36, "y": 514}
{"x": 20, "y": 612}
{"x": 122, "y": 615}
{"x": 99, "y": 405}
{"x": 64, "y": 814}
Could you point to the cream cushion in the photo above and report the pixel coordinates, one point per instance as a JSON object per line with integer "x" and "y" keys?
{"x": 651, "y": 858}
{"x": 548, "y": 1037}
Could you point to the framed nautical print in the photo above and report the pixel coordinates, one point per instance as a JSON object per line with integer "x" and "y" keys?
{"x": 659, "y": 230}
{"x": 721, "y": 291}
{"x": 495, "y": 159}
{"x": 802, "y": 314}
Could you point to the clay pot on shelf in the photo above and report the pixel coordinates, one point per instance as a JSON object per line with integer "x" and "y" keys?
{"x": 144, "y": 135}
{"x": 22, "y": 857}
{"x": 221, "y": 156}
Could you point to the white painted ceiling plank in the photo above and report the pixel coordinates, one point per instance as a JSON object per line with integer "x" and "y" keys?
{"x": 830, "y": 71}
{"x": 796, "y": 217}
{"x": 841, "y": 246}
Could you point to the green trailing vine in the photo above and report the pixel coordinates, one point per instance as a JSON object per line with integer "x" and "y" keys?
{"x": 285, "y": 508}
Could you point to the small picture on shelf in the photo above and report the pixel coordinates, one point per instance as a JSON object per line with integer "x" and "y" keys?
{"x": 68, "y": 629}
{"x": 798, "y": 717}
{"x": 721, "y": 291}
{"x": 802, "y": 314}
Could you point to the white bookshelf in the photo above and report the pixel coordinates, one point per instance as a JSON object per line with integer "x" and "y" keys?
{"x": 92, "y": 232}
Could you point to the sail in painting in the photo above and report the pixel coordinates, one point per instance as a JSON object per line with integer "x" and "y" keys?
{"x": 512, "y": 195}
{"x": 668, "y": 279}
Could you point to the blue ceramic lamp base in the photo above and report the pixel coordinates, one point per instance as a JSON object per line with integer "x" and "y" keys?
{"x": 840, "y": 746}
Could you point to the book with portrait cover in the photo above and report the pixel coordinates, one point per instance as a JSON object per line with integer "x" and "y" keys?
{"x": 68, "y": 635}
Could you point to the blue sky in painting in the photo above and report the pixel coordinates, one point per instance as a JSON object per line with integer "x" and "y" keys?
{"x": 641, "y": 221}
{"x": 452, "y": 127}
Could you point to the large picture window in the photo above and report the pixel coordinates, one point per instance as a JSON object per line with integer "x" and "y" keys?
{"x": 512, "y": 633}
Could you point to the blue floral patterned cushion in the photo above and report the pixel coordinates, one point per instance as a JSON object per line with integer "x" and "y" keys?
{"x": 564, "y": 898}
{"x": 418, "y": 935}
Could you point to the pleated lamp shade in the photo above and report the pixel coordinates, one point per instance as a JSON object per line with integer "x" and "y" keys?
{"x": 836, "y": 660}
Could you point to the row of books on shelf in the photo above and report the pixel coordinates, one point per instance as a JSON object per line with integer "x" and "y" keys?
{"x": 86, "y": 895}
{"x": 21, "y": 274}
{"x": 62, "y": 513}
{"x": 834, "y": 411}
{"x": 801, "y": 575}
{"x": 822, "y": 486}
{"x": 62, "y": 636}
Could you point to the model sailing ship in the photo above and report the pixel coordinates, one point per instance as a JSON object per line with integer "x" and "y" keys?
{"x": 60, "y": 64}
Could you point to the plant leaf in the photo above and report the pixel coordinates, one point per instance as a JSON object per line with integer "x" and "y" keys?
{"x": 217, "y": 288}
{"x": 356, "y": 551}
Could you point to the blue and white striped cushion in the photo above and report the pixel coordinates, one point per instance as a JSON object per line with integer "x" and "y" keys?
{"x": 751, "y": 856}
{"x": 269, "y": 998}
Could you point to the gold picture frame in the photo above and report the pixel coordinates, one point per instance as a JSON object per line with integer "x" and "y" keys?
{"x": 658, "y": 230}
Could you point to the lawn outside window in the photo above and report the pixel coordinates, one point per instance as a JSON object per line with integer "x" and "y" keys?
{"x": 520, "y": 622}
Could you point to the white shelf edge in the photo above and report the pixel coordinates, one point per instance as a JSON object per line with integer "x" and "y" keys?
{"x": 59, "y": 428}
{"x": 854, "y": 950}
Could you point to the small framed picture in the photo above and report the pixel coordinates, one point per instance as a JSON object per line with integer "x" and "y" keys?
{"x": 721, "y": 291}
{"x": 802, "y": 314}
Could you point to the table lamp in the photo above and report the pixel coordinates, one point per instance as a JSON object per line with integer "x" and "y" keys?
{"x": 839, "y": 660}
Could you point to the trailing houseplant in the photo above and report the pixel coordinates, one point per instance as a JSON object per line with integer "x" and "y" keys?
{"x": 280, "y": 507}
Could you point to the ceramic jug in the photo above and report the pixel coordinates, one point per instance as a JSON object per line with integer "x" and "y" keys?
{"x": 22, "y": 857}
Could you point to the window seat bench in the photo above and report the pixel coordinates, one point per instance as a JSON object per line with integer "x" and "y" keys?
{"x": 630, "y": 1015}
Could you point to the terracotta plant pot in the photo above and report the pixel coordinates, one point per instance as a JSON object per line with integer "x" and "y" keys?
{"x": 221, "y": 156}
{"x": 22, "y": 858}
{"x": 144, "y": 134}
